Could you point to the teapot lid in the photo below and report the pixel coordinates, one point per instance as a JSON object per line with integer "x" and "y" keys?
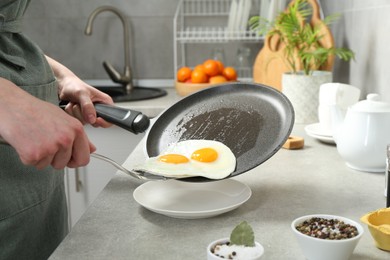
{"x": 373, "y": 103}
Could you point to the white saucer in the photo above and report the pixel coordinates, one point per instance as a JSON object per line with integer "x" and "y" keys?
{"x": 188, "y": 200}
{"x": 315, "y": 131}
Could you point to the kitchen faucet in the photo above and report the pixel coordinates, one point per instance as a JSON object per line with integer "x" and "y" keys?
{"x": 126, "y": 78}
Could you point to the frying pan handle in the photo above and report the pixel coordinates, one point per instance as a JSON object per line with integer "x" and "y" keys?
{"x": 131, "y": 120}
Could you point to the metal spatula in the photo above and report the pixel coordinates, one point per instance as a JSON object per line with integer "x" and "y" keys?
{"x": 138, "y": 174}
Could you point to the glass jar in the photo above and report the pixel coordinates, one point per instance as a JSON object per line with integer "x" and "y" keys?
{"x": 218, "y": 54}
{"x": 243, "y": 65}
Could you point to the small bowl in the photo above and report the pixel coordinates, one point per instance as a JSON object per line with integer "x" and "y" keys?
{"x": 321, "y": 249}
{"x": 378, "y": 223}
{"x": 185, "y": 89}
{"x": 211, "y": 256}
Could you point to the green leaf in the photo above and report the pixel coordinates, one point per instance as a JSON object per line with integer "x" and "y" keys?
{"x": 259, "y": 24}
{"x": 243, "y": 234}
{"x": 301, "y": 38}
{"x": 331, "y": 18}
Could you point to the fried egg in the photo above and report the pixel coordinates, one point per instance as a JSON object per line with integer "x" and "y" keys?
{"x": 189, "y": 158}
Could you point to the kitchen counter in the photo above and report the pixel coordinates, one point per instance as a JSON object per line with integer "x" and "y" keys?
{"x": 292, "y": 183}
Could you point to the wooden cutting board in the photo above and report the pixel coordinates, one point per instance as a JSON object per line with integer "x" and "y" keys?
{"x": 270, "y": 63}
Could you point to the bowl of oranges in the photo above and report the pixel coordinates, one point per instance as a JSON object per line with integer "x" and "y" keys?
{"x": 210, "y": 73}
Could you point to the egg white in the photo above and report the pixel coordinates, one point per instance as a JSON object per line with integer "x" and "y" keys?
{"x": 222, "y": 167}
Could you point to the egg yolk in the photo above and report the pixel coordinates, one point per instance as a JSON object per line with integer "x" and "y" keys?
{"x": 173, "y": 158}
{"x": 205, "y": 155}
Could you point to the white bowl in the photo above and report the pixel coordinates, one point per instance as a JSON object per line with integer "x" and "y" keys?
{"x": 321, "y": 249}
{"x": 211, "y": 256}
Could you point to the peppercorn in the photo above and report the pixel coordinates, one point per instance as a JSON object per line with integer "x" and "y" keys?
{"x": 330, "y": 229}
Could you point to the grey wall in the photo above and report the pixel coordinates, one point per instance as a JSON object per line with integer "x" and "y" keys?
{"x": 364, "y": 28}
{"x": 58, "y": 25}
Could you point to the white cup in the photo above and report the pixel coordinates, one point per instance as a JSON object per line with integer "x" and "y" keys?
{"x": 331, "y": 94}
{"x": 324, "y": 116}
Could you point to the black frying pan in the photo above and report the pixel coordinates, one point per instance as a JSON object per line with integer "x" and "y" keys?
{"x": 253, "y": 120}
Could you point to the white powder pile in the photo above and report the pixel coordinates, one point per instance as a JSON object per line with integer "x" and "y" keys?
{"x": 238, "y": 252}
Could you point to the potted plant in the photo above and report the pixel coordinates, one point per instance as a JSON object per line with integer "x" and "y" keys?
{"x": 298, "y": 49}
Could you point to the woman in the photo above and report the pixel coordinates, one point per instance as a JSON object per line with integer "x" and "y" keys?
{"x": 42, "y": 138}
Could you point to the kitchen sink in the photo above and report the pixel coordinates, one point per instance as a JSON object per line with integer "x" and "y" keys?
{"x": 119, "y": 94}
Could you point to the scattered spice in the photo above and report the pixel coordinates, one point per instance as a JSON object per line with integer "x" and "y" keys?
{"x": 329, "y": 229}
{"x": 220, "y": 251}
{"x": 217, "y": 248}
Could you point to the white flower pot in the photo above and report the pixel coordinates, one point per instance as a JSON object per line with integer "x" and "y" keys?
{"x": 303, "y": 90}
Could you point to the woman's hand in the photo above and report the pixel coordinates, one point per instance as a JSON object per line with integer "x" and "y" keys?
{"x": 80, "y": 95}
{"x": 40, "y": 132}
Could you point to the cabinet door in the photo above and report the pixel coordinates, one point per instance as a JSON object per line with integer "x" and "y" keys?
{"x": 76, "y": 194}
{"x": 85, "y": 183}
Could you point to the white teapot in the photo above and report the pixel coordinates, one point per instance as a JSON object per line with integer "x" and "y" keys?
{"x": 363, "y": 134}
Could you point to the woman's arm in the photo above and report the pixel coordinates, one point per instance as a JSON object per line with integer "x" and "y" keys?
{"x": 40, "y": 132}
{"x": 80, "y": 95}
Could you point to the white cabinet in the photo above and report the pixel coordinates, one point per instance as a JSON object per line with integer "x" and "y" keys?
{"x": 85, "y": 183}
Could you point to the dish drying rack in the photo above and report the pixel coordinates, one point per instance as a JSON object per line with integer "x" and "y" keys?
{"x": 209, "y": 21}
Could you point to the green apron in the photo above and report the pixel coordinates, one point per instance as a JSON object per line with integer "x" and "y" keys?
{"x": 33, "y": 213}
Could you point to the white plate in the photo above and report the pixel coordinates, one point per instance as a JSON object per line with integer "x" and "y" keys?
{"x": 315, "y": 131}
{"x": 325, "y": 139}
{"x": 189, "y": 200}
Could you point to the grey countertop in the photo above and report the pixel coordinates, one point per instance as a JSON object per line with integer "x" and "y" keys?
{"x": 293, "y": 183}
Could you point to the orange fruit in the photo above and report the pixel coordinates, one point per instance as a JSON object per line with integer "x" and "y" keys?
{"x": 199, "y": 76}
{"x": 217, "y": 79}
{"x": 183, "y": 74}
{"x": 220, "y": 66}
{"x": 230, "y": 74}
{"x": 199, "y": 67}
{"x": 211, "y": 67}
